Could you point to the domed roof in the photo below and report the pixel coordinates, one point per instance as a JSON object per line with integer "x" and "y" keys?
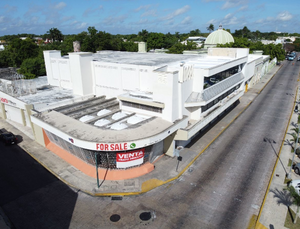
{"x": 219, "y": 36}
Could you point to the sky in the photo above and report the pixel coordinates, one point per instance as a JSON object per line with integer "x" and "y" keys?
{"x": 132, "y": 16}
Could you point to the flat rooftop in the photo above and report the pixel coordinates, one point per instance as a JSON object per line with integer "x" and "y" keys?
{"x": 100, "y": 120}
{"x": 39, "y": 93}
{"x": 160, "y": 59}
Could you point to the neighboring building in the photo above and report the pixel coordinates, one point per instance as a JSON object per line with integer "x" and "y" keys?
{"x": 198, "y": 40}
{"x": 219, "y": 36}
{"x": 124, "y": 110}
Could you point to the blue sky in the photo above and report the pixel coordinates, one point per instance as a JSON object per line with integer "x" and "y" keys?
{"x": 132, "y": 16}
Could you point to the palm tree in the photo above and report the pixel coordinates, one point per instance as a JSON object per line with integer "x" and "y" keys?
{"x": 210, "y": 28}
{"x": 55, "y": 34}
{"x": 295, "y": 200}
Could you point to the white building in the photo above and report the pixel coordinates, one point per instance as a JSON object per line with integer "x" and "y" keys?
{"x": 127, "y": 109}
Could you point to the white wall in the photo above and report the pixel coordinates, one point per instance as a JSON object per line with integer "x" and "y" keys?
{"x": 48, "y": 55}
{"x": 166, "y": 91}
{"x": 248, "y": 70}
{"x": 130, "y": 77}
{"x": 107, "y": 78}
{"x": 64, "y": 73}
{"x": 81, "y": 72}
{"x": 14, "y": 114}
{"x": 146, "y": 78}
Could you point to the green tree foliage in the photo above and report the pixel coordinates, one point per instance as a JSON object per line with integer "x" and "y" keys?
{"x": 156, "y": 41}
{"x": 32, "y": 67}
{"x": 296, "y": 44}
{"x": 6, "y": 59}
{"x": 19, "y": 50}
{"x": 129, "y": 46}
{"x": 178, "y": 48}
{"x": 296, "y": 200}
{"x": 274, "y": 51}
{"x": 143, "y": 35}
{"x": 210, "y": 28}
{"x": 270, "y": 49}
{"x": 195, "y": 32}
{"x": 55, "y": 35}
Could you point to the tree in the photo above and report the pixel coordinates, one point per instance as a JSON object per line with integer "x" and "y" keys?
{"x": 129, "y": 46}
{"x": 195, "y": 32}
{"x": 296, "y": 199}
{"x": 92, "y": 31}
{"x": 20, "y": 50}
{"x": 210, "y": 28}
{"x": 32, "y": 67}
{"x": 143, "y": 35}
{"x": 54, "y": 34}
{"x": 156, "y": 40}
{"x": 178, "y": 48}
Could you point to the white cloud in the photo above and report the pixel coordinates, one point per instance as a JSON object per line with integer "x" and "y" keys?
{"x": 284, "y": 16}
{"x": 149, "y": 13}
{"x": 91, "y": 10}
{"x": 177, "y": 12}
{"x": 81, "y": 25}
{"x": 2, "y": 19}
{"x": 243, "y": 8}
{"x": 234, "y": 3}
{"x": 114, "y": 20}
{"x": 10, "y": 9}
{"x": 49, "y": 22}
{"x": 281, "y": 17}
{"x": 187, "y": 20}
{"x": 145, "y": 7}
{"x": 230, "y": 19}
{"x": 142, "y": 21}
{"x": 60, "y": 5}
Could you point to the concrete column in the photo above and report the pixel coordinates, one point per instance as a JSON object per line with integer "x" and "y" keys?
{"x": 38, "y": 134}
{"x": 169, "y": 145}
{"x": 3, "y": 112}
{"x": 28, "y": 110}
{"x": 81, "y": 72}
{"x": 23, "y": 117}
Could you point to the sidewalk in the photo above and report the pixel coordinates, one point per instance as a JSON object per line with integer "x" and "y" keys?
{"x": 273, "y": 214}
{"x": 165, "y": 167}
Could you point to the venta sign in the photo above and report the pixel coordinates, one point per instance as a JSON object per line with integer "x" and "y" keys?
{"x": 128, "y": 159}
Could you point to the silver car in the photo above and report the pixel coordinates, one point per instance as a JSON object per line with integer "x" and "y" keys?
{"x": 296, "y": 185}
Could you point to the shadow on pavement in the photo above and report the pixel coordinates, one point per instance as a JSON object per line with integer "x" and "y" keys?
{"x": 31, "y": 197}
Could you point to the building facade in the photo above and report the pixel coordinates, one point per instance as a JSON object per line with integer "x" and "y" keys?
{"x": 126, "y": 110}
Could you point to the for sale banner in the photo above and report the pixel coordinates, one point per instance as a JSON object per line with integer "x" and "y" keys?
{"x": 128, "y": 159}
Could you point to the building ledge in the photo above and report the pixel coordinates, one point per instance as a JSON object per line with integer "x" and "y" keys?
{"x": 140, "y": 100}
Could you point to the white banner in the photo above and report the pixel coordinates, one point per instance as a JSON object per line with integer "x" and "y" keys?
{"x": 129, "y": 159}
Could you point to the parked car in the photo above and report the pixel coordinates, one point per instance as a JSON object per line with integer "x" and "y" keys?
{"x": 8, "y": 138}
{"x": 296, "y": 185}
{"x": 296, "y": 168}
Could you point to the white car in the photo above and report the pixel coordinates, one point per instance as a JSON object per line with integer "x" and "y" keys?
{"x": 296, "y": 185}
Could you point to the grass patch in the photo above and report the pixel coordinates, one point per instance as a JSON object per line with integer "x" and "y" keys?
{"x": 290, "y": 162}
{"x": 290, "y": 216}
{"x": 286, "y": 180}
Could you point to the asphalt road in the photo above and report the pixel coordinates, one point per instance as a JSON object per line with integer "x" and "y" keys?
{"x": 222, "y": 189}
{"x": 31, "y": 197}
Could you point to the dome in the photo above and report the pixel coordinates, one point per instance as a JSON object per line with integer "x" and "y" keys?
{"x": 219, "y": 36}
